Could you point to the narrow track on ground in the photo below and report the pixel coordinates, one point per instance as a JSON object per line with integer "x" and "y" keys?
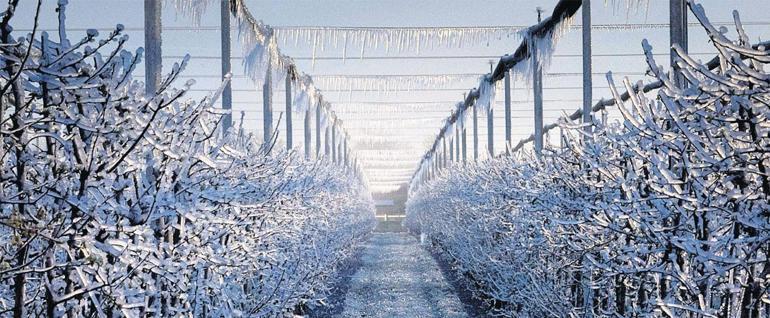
{"x": 399, "y": 278}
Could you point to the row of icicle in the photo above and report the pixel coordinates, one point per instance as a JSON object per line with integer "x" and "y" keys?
{"x": 259, "y": 44}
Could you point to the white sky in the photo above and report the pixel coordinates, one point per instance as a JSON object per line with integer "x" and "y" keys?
{"x": 409, "y": 130}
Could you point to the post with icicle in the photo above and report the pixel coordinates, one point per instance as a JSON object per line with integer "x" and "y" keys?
{"x": 327, "y": 137}
{"x": 267, "y": 102}
{"x": 308, "y": 136}
{"x": 587, "y": 68}
{"x": 152, "y": 45}
{"x": 227, "y": 93}
{"x": 444, "y": 154}
{"x": 491, "y": 121}
{"x": 507, "y": 97}
{"x": 475, "y": 132}
{"x": 346, "y": 151}
{"x": 457, "y": 141}
{"x": 464, "y": 144}
{"x": 289, "y": 128}
{"x": 585, "y": 277}
{"x": 678, "y": 34}
{"x": 318, "y": 128}
{"x": 537, "y": 86}
{"x": 334, "y": 139}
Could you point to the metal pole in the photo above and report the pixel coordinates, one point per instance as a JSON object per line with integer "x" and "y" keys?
{"x": 308, "y": 137}
{"x": 318, "y": 129}
{"x": 537, "y": 84}
{"x": 152, "y": 45}
{"x": 587, "y": 79}
{"x": 475, "y": 133}
{"x": 507, "y": 85}
{"x": 267, "y": 103}
{"x": 227, "y": 93}
{"x": 289, "y": 130}
{"x": 678, "y": 33}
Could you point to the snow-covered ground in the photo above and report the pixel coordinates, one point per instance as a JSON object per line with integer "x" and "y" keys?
{"x": 398, "y": 278}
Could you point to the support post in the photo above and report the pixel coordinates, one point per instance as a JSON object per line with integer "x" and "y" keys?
{"x": 267, "y": 103}
{"x": 678, "y": 33}
{"x": 327, "y": 150}
{"x": 443, "y": 155}
{"x": 457, "y": 141}
{"x": 537, "y": 84}
{"x": 346, "y": 152}
{"x": 491, "y": 132}
{"x": 587, "y": 69}
{"x": 334, "y": 141}
{"x": 491, "y": 121}
{"x": 507, "y": 85}
{"x": 308, "y": 137}
{"x": 289, "y": 128}
{"x": 318, "y": 129}
{"x": 152, "y": 45}
{"x": 227, "y": 93}
{"x": 465, "y": 148}
{"x": 452, "y": 149}
{"x": 475, "y": 133}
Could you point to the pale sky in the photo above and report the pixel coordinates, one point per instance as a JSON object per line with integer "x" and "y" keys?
{"x": 409, "y": 130}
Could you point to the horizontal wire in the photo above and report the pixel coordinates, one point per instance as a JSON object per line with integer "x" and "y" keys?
{"x": 604, "y": 27}
{"x": 430, "y": 57}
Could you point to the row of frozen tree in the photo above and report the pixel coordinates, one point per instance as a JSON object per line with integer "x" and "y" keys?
{"x": 118, "y": 203}
{"x": 666, "y": 213}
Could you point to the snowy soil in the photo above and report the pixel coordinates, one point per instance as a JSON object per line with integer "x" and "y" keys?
{"x": 399, "y": 278}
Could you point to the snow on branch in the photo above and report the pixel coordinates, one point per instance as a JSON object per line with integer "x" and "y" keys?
{"x": 116, "y": 203}
{"x": 663, "y": 213}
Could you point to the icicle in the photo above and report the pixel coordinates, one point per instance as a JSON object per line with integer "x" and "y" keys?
{"x": 403, "y": 39}
{"x": 486, "y": 98}
{"x": 345, "y": 49}
{"x": 315, "y": 45}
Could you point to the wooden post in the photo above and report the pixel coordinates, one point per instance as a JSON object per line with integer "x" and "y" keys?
{"x": 153, "y": 61}
{"x": 507, "y": 85}
{"x": 308, "y": 137}
{"x": 475, "y": 133}
{"x": 267, "y": 102}
{"x": 318, "y": 129}
{"x": 587, "y": 69}
{"x": 289, "y": 128}
{"x": 678, "y": 33}
{"x": 537, "y": 84}
{"x": 227, "y": 93}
